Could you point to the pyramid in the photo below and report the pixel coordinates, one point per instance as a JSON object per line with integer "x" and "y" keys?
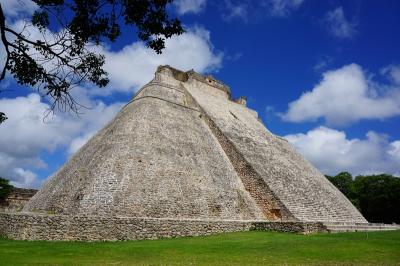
{"x": 182, "y": 148}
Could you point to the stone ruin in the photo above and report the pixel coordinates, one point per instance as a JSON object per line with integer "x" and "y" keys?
{"x": 16, "y": 200}
{"x": 182, "y": 158}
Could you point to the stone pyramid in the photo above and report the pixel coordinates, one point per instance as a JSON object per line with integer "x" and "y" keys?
{"x": 183, "y": 149}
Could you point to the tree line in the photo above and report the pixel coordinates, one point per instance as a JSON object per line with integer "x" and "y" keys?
{"x": 377, "y": 197}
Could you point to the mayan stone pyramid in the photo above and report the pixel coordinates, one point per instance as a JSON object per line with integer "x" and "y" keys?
{"x": 183, "y": 149}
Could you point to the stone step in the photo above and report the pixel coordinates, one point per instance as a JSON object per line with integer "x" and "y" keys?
{"x": 368, "y": 224}
{"x": 358, "y": 228}
{"x": 354, "y": 227}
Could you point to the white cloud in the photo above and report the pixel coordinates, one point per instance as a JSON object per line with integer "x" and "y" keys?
{"x": 395, "y": 150}
{"x": 282, "y": 8}
{"x": 25, "y": 178}
{"x": 135, "y": 64}
{"x": 393, "y": 72}
{"x": 78, "y": 142}
{"x": 18, "y": 8}
{"x": 10, "y": 168}
{"x": 343, "y": 96}
{"x": 332, "y": 152}
{"x": 34, "y": 34}
{"x": 338, "y": 25}
{"x": 26, "y": 123}
{"x": 189, "y": 6}
{"x": 25, "y": 135}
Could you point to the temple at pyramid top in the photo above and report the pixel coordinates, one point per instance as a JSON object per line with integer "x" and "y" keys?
{"x": 184, "y": 76}
{"x": 182, "y": 148}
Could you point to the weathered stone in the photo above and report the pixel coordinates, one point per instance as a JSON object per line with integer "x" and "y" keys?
{"x": 28, "y": 226}
{"x": 189, "y": 159}
{"x": 16, "y": 200}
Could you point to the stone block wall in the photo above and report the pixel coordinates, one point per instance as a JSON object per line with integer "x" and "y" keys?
{"x": 26, "y": 226}
{"x": 300, "y": 188}
{"x": 269, "y": 204}
{"x": 16, "y": 200}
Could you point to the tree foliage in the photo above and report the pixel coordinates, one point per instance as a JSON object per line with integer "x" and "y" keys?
{"x": 64, "y": 57}
{"x": 376, "y": 196}
{"x": 5, "y": 188}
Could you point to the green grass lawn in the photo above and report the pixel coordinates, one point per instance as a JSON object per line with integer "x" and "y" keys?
{"x": 243, "y": 248}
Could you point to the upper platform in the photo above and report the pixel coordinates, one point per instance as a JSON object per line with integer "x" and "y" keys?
{"x": 191, "y": 74}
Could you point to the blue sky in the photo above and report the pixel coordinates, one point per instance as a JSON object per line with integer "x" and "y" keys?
{"x": 324, "y": 74}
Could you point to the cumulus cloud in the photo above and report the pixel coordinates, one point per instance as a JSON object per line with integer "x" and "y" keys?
{"x": 393, "y": 72}
{"x": 25, "y": 137}
{"x": 78, "y": 142}
{"x": 395, "y": 150}
{"x": 338, "y": 25}
{"x": 18, "y": 8}
{"x": 135, "y": 64}
{"x": 343, "y": 96}
{"x": 332, "y": 152}
{"x": 11, "y": 168}
{"x": 25, "y": 178}
{"x": 189, "y": 6}
{"x": 26, "y": 134}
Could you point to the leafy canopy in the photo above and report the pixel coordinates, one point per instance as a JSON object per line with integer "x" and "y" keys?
{"x": 64, "y": 57}
{"x": 376, "y": 196}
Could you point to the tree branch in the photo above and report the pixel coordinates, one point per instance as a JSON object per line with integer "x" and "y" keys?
{"x": 4, "y": 41}
{"x": 56, "y": 62}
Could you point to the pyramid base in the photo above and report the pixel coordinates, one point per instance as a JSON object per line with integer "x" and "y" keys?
{"x": 33, "y": 226}
{"x": 337, "y": 227}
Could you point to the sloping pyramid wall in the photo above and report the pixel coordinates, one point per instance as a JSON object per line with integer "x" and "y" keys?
{"x": 301, "y": 188}
{"x": 157, "y": 158}
{"x": 182, "y": 149}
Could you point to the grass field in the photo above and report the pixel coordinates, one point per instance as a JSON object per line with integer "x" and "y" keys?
{"x": 244, "y": 248}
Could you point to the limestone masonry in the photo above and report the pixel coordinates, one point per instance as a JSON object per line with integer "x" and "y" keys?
{"x": 16, "y": 200}
{"x": 181, "y": 155}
